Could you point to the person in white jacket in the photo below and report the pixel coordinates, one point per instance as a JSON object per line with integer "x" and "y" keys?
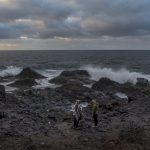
{"x": 77, "y": 114}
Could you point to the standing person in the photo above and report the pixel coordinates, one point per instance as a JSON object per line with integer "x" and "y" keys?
{"x": 95, "y": 111}
{"x": 77, "y": 114}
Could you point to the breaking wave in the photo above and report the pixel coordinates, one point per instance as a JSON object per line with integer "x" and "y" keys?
{"x": 121, "y": 75}
{"x": 10, "y": 71}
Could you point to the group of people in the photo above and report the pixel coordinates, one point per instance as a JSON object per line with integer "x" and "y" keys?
{"x": 78, "y": 114}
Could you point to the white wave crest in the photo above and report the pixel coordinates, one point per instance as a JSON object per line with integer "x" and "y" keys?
{"x": 121, "y": 76}
{"x": 10, "y": 71}
{"x": 49, "y": 73}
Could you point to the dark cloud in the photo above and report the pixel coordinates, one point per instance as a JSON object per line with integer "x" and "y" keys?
{"x": 74, "y": 18}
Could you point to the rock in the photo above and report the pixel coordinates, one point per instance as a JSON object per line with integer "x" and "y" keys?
{"x": 2, "y": 92}
{"x": 29, "y": 73}
{"x": 2, "y": 115}
{"x": 59, "y": 80}
{"x": 57, "y": 114}
{"x": 74, "y": 90}
{"x": 80, "y": 76}
{"x": 104, "y": 83}
{"x": 24, "y": 83}
{"x": 142, "y": 82}
{"x": 75, "y": 73}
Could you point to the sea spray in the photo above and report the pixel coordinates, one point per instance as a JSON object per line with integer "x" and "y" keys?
{"x": 121, "y": 75}
{"x": 49, "y": 73}
{"x": 10, "y": 71}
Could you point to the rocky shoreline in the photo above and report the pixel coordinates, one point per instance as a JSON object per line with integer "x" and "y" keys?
{"x": 36, "y": 119}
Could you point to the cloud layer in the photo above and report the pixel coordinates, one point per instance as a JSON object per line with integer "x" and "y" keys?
{"x": 74, "y": 24}
{"x": 43, "y": 19}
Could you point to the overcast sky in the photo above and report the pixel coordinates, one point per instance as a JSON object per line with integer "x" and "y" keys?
{"x": 74, "y": 24}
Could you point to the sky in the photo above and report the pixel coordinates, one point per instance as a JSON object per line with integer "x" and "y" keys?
{"x": 74, "y": 24}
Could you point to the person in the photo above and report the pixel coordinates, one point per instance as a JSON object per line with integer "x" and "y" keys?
{"x": 77, "y": 114}
{"x": 95, "y": 110}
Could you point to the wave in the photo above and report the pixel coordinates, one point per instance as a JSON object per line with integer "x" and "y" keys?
{"x": 42, "y": 83}
{"x": 49, "y": 73}
{"x": 10, "y": 71}
{"x": 121, "y": 75}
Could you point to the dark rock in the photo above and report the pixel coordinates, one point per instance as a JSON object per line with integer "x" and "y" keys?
{"x": 131, "y": 98}
{"x": 2, "y": 92}
{"x": 29, "y": 73}
{"x": 75, "y": 73}
{"x": 59, "y": 80}
{"x": 58, "y": 114}
{"x": 80, "y": 76}
{"x": 104, "y": 83}
{"x": 24, "y": 83}
{"x": 2, "y": 115}
{"x": 74, "y": 90}
{"x": 142, "y": 82}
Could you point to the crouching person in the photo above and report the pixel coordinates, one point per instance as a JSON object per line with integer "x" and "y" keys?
{"x": 77, "y": 114}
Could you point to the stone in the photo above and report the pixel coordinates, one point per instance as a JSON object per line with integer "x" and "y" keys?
{"x": 104, "y": 83}
{"x": 142, "y": 82}
{"x": 29, "y": 73}
{"x": 24, "y": 83}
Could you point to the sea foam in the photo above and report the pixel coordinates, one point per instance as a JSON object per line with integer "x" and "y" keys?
{"x": 10, "y": 71}
{"x": 121, "y": 75}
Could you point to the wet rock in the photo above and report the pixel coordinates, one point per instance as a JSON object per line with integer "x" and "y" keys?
{"x": 142, "y": 82}
{"x": 80, "y": 76}
{"x": 29, "y": 73}
{"x": 104, "y": 83}
{"x": 2, "y": 92}
{"x": 24, "y": 83}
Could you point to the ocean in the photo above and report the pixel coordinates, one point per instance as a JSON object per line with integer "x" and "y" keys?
{"x": 120, "y": 66}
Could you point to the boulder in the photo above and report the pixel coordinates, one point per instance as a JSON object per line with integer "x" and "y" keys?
{"x": 74, "y": 73}
{"x": 24, "y": 83}
{"x": 80, "y": 76}
{"x": 142, "y": 82}
{"x": 104, "y": 83}
{"x": 2, "y": 92}
{"x": 29, "y": 73}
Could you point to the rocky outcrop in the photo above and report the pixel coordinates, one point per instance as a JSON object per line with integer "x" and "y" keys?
{"x": 104, "y": 83}
{"x": 2, "y": 92}
{"x": 24, "y": 83}
{"x": 80, "y": 76}
{"x": 75, "y": 73}
{"x": 142, "y": 82}
{"x": 74, "y": 90}
{"x": 29, "y": 73}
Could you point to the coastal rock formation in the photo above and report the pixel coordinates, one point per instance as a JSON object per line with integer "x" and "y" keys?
{"x": 104, "y": 83}
{"x": 80, "y": 76}
{"x": 29, "y": 73}
{"x": 142, "y": 82}
{"x": 43, "y": 118}
{"x": 74, "y": 90}
{"x": 24, "y": 83}
{"x": 2, "y": 92}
